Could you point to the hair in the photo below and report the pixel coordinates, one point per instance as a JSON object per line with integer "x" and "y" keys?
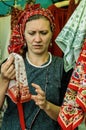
{"x": 39, "y": 16}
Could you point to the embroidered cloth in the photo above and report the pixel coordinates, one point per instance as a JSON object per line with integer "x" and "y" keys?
{"x": 74, "y": 105}
{"x": 72, "y": 36}
{"x": 18, "y": 89}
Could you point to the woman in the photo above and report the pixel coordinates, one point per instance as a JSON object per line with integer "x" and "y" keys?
{"x": 31, "y": 38}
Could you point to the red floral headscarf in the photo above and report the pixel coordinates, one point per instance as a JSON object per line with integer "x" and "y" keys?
{"x": 17, "y": 40}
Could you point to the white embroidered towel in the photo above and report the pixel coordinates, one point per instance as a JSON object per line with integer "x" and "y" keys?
{"x": 18, "y": 89}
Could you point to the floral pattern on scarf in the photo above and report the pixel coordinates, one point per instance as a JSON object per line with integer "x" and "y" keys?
{"x": 73, "y": 108}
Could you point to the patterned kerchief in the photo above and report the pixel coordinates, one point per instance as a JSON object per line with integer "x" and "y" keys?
{"x": 17, "y": 40}
{"x": 74, "y": 105}
{"x": 18, "y": 89}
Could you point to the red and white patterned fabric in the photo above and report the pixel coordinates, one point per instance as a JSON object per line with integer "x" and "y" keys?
{"x": 18, "y": 89}
{"x": 73, "y": 108}
{"x": 17, "y": 40}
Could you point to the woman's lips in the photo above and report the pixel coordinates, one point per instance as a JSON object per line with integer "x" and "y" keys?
{"x": 37, "y": 46}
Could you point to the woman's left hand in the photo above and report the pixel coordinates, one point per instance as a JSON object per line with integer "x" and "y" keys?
{"x": 51, "y": 109}
{"x": 40, "y": 98}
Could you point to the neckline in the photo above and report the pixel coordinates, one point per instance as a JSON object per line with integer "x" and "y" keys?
{"x": 42, "y": 66}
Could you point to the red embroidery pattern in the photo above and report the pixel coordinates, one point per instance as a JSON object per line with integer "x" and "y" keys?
{"x": 74, "y": 105}
{"x": 18, "y": 89}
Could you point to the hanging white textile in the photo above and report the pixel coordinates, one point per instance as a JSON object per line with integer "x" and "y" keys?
{"x": 71, "y": 37}
{"x": 5, "y": 31}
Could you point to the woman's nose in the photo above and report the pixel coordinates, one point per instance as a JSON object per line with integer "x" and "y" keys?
{"x": 37, "y": 37}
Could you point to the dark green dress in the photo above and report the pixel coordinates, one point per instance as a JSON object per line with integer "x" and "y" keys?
{"x": 49, "y": 77}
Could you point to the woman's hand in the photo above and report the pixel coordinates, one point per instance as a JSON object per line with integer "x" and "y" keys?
{"x": 7, "y": 73}
{"x": 51, "y": 109}
{"x": 8, "y": 69}
{"x": 40, "y": 98}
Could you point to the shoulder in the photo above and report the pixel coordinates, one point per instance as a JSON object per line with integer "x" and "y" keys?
{"x": 58, "y": 64}
{"x": 57, "y": 60}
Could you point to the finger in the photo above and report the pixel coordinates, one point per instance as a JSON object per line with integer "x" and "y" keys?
{"x": 38, "y": 97}
{"x": 33, "y": 97}
{"x": 39, "y": 101}
{"x": 8, "y": 73}
{"x": 11, "y": 69}
{"x": 36, "y": 86}
{"x": 12, "y": 75}
{"x": 9, "y": 62}
{"x": 38, "y": 89}
{"x": 5, "y": 66}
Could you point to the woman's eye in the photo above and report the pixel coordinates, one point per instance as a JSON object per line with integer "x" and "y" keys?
{"x": 43, "y": 32}
{"x": 31, "y": 33}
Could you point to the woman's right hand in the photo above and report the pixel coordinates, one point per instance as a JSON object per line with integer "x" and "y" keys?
{"x": 7, "y": 73}
{"x": 8, "y": 69}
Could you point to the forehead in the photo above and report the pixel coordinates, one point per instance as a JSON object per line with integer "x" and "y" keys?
{"x": 41, "y": 23}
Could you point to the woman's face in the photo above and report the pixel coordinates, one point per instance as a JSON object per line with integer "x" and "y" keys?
{"x": 38, "y": 35}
